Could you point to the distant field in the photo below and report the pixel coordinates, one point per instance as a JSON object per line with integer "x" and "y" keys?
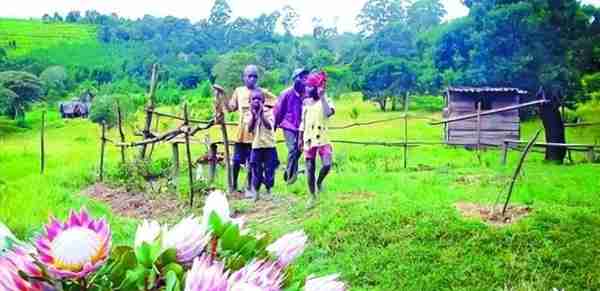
{"x": 34, "y": 34}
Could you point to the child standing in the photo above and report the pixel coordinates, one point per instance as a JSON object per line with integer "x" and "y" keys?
{"x": 317, "y": 110}
{"x": 263, "y": 157}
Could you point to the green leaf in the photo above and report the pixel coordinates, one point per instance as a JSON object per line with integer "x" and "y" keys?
{"x": 167, "y": 257}
{"x": 230, "y": 238}
{"x": 147, "y": 254}
{"x": 127, "y": 261}
{"x": 216, "y": 224}
{"x": 172, "y": 282}
{"x": 118, "y": 251}
{"x": 135, "y": 279}
{"x": 173, "y": 267}
{"x": 249, "y": 249}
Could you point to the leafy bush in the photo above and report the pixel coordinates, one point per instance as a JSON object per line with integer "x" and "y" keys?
{"x": 427, "y": 103}
{"x": 104, "y": 108}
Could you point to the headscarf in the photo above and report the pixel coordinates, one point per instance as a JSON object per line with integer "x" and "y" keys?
{"x": 317, "y": 79}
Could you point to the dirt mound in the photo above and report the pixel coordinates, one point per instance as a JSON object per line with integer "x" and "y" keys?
{"x": 492, "y": 214}
{"x": 167, "y": 207}
{"x": 136, "y": 205}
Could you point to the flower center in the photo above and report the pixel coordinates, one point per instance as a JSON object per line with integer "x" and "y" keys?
{"x": 75, "y": 247}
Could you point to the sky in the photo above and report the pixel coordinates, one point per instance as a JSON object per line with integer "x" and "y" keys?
{"x": 340, "y": 13}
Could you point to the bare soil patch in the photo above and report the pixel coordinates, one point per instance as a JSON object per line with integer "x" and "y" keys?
{"x": 492, "y": 214}
{"x": 136, "y": 204}
{"x": 163, "y": 207}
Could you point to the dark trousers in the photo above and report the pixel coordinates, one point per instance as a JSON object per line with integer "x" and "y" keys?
{"x": 263, "y": 163}
{"x": 241, "y": 156}
{"x": 294, "y": 153}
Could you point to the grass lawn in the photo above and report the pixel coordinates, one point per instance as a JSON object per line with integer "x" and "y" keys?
{"x": 381, "y": 226}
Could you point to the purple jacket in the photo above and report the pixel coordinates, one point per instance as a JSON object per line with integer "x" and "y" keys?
{"x": 288, "y": 111}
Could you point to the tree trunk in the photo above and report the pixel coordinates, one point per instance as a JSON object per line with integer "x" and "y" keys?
{"x": 555, "y": 130}
{"x": 382, "y": 102}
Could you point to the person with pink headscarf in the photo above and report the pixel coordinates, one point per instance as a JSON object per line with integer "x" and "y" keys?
{"x": 317, "y": 109}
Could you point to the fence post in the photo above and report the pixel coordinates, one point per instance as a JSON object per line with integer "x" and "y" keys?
{"x": 479, "y": 132}
{"x": 504, "y": 152}
{"x": 212, "y": 168}
{"x": 42, "y": 144}
{"x": 149, "y": 108}
{"x": 121, "y": 133}
{"x": 102, "y": 148}
{"x": 188, "y": 152}
{"x": 406, "y": 130}
{"x": 175, "y": 157}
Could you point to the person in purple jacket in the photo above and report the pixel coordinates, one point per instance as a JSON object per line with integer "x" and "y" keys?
{"x": 288, "y": 114}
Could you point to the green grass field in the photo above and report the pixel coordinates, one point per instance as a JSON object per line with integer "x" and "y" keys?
{"x": 31, "y": 35}
{"x": 381, "y": 226}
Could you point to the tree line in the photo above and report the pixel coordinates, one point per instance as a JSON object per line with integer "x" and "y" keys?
{"x": 403, "y": 46}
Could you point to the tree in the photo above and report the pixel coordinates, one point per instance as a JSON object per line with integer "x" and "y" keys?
{"x": 57, "y": 17}
{"x": 228, "y": 70}
{"x": 220, "y": 13}
{"x": 55, "y": 80}
{"x": 73, "y": 16}
{"x": 376, "y": 14}
{"x": 17, "y": 91}
{"x": 387, "y": 78}
{"x": 425, "y": 14}
{"x": 289, "y": 19}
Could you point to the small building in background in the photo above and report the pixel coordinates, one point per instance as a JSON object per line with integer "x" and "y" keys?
{"x": 494, "y": 128}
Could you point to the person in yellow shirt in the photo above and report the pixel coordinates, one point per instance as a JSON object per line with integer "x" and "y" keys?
{"x": 263, "y": 157}
{"x": 240, "y": 101}
{"x": 317, "y": 109}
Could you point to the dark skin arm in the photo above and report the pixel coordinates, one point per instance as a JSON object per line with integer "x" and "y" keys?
{"x": 254, "y": 119}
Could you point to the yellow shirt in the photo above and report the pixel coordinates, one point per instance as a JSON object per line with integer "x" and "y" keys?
{"x": 240, "y": 100}
{"x": 264, "y": 137}
{"x": 314, "y": 123}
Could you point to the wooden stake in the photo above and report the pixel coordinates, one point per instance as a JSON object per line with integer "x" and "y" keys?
{"x": 175, "y": 173}
{"x": 42, "y": 144}
{"x": 220, "y": 118}
{"x": 188, "y": 153}
{"x": 504, "y": 152}
{"x": 518, "y": 169}
{"x": 121, "y": 133}
{"x": 153, "y": 144}
{"x": 479, "y": 131}
{"x": 406, "y": 130}
{"x": 149, "y": 108}
{"x": 212, "y": 169}
{"x": 102, "y": 148}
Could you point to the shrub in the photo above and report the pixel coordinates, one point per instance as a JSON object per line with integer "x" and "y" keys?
{"x": 427, "y": 103}
{"x": 103, "y": 108}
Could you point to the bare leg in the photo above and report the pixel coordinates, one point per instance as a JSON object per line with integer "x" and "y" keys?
{"x": 310, "y": 178}
{"x": 326, "y": 160}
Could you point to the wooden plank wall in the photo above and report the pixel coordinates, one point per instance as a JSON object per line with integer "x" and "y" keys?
{"x": 494, "y": 128}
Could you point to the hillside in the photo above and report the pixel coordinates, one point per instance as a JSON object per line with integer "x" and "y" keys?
{"x": 32, "y": 35}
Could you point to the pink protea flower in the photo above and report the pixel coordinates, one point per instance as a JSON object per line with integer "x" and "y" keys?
{"x": 206, "y": 276}
{"x": 262, "y": 275}
{"x": 327, "y": 283}
{"x": 288, "y": 247}
{"x": 189, "y": 237}
{"x": 73, "y": 249}
{"x": 17, "y": 260}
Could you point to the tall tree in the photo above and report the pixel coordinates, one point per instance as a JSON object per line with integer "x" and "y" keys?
{"x": 376, "y": 14}
{"x": 73, "y": 16}
{"x": 220, "y": 13}
{"x": 425, "y": 14}
{"x": 17, "y": 91}
{"x": 289, "y": 19}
